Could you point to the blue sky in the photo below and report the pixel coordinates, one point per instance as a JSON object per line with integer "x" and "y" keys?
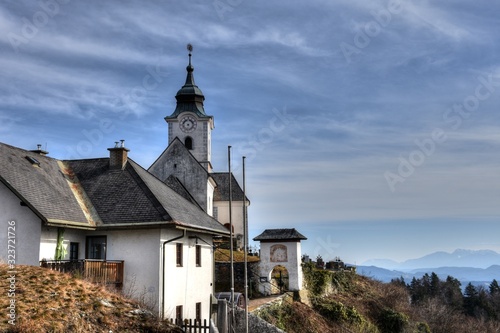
{"x": 370, "y": 126}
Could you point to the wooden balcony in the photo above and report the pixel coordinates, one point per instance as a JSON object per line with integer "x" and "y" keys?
{"x": 109, "y": 272}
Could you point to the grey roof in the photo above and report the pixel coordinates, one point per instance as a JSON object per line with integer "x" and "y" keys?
{"x": 280, "y": 234}
{"x": 189, "y": 97}
{"x": 88, "y": 193}
{"x": 222, "y": 190}
{"x": 43, "y": 186}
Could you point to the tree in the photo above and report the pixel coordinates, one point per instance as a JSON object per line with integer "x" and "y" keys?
{"x": 494, "y": 287}
{"x": 452, "y": 293}
{"x": 471, "y": 299}
{"x": 435, "y": 285}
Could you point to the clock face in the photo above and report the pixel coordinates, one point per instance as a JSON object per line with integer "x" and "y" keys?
{"x": 187, "y": 124}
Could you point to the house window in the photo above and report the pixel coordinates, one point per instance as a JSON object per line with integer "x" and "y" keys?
{"x": 188, "y": 142}
{"x": 179, "y": 254}
{"x": 178, "y": 313}
{"x": 73, "y": 251}
{"x": 216, "y": 212}
{"x": 198, "y": 311}
{"x": 96, "y": 247}
{"x": 198, "y": 255}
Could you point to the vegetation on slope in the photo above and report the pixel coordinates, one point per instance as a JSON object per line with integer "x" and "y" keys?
{"x": 347, "y": 302}
{"x": 48, "y": 301}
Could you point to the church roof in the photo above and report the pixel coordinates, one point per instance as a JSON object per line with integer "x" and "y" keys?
{"x": 87, "y": 193}
{"x": 280, "y": 234}
{"x": 189, "y": 97}
{"x": 221, "y": 192}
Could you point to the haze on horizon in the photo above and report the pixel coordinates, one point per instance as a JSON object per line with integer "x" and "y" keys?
{"x": 372, "y": 127}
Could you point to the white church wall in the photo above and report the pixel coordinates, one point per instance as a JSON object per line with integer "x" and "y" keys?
{"x": 236, "y": 212}
{"x": 21, "y": 229}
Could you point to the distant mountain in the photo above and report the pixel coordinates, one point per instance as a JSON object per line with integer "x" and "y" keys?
{"x": 478, "y": 276}
{"x": 458, "y": 258}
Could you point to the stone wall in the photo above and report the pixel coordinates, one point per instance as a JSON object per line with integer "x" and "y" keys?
{"x": 255, "y": 324}
{"x": 223, "y": 276}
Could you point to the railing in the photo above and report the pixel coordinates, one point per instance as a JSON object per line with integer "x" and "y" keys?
{"x": 192, "y": 326}
{"x": 97, "y": 271}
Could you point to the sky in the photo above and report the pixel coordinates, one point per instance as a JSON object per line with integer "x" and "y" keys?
{"x": 372, "y": 127}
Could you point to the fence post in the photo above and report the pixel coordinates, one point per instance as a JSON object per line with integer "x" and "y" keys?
{"x": 222, "y": 316}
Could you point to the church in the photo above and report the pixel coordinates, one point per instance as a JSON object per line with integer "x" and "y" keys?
{"x": 150, "y": 231}
{"x": 185, "y": 165}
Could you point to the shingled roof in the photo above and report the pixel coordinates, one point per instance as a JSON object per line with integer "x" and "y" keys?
{"x": 222, "y": 190}
{"x": 41, "y": 183}
{"x": 88, "y": 193}
{"x": 280, "y": 235}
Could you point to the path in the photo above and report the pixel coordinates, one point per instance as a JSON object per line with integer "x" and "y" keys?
{"x": 256, "y": 302}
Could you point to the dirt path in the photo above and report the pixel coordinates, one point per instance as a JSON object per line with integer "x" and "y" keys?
{"x": 255, "y": 303}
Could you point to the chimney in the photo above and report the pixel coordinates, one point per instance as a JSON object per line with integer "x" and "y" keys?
{"x": 118, "y": 156}
{"x": 39, "y": 150}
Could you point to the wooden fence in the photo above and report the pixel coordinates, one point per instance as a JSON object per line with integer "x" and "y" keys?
{"x": 97, "y": 271}
{"x": 192, "y": 326}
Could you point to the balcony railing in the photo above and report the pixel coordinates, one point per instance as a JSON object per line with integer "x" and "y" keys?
{"x": 97, "y": 271}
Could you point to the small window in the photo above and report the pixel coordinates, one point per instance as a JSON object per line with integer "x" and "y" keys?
{"x": 33, "y": 161}
{"x": 73, "y": 251}
{"x": 179, "y": 254}
{"x": 178, "y": 313}
{"x": 216, "y": 212}
{"x": 198, "y": 311}
{"x": 188, "y": 142}
{"x": 198, "y": 255}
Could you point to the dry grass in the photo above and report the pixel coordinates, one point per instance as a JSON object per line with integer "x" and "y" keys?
{"x": 48, "y": 301}
{"x": 223, "y": 255}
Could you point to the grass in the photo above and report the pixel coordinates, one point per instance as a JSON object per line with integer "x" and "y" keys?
{"x": 48, "y": 301}
{"x": 223, "y": 255}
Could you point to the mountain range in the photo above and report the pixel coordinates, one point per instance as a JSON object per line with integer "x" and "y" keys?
{"x": 478, "y": 267}
{"x": 458, "y": 258}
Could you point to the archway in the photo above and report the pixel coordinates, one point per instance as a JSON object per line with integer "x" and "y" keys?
{"x": 279, "y": 280}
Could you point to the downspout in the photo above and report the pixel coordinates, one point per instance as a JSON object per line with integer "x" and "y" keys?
{"x": 163, "y": 270}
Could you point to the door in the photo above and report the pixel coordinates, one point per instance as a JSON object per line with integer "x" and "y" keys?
{"x": 96, "y": 247}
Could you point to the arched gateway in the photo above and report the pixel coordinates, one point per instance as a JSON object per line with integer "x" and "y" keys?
{"x": 280, "y": 247}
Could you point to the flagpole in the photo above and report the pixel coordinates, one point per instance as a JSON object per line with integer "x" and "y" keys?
{"x": 245, "y": 246}
{"x": 231, "y": 237}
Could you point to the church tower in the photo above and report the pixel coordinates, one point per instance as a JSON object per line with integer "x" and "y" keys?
{"x": 189, "y": 122}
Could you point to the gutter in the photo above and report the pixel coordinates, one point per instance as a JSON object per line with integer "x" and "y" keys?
{"x": 163, "y": 270}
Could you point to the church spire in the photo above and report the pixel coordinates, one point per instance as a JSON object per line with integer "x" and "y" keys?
{"x": 189, "y": 97}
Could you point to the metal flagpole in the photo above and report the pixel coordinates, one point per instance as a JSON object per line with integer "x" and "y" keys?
{"x": 245, "y": 246}
{"x": 231, "y": 237}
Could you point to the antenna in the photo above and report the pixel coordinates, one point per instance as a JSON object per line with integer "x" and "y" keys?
{"x": 190, "y": 48}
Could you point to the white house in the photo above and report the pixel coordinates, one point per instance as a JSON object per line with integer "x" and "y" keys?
{"x": 113, "y": 216}
{"x": 150, "y": 232}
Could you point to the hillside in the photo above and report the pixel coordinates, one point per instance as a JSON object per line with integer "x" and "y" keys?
{"x": 347, "y": 302}
{"x": 48, "y": 301}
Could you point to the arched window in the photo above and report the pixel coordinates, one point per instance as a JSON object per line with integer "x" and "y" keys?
{"x": 188, "y": 142}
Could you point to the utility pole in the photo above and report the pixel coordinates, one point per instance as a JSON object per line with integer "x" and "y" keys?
{"x": 231, "y": 238}
{"x": 245, "y": 244}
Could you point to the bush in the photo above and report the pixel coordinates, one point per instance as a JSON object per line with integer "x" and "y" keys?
{"x": 391, "y": 321}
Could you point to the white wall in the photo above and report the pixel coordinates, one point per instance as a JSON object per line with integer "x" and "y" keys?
{"x": 48, "y": 242}
{"x": 140, "y": 251}
{"x": 292, "y": 264}
{"x": 236, "y": 212}
{"x": 188, "y": 285}
{"x": 26, "y": 233}
{"x": 138, "y": 248}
